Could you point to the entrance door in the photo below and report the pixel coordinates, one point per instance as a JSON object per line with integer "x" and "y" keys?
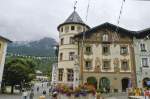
{"x": 125, "y": 82}
{"x": 104, "y": 83}
{"x": 92, "y": 81}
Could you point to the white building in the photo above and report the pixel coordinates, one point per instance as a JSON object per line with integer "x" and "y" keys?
{"x": 3, "y": 49}
{"x": 68, "y": 49}
{"x": 142, "y": 57}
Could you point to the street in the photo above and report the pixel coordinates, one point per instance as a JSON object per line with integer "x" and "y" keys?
{"x": 42, "y": 87}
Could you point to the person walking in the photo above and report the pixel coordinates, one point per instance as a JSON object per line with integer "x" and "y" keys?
{"x": 24, "y": 94}
{"x": 32, "y": 94}
{"x": 43, "y": 96}
{"x": 37, "y": 89}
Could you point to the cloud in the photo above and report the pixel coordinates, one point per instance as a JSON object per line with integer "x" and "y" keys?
{"x": 35, "y": 19}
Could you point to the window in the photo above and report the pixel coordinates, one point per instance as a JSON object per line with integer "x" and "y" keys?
{"x": 71, "y": 40}
{"x": 72, "y": 27}
{"x": 106, "y": 64}
{"x": 60, "y": 74}
{"x": 71, "y": 56}
{"x": 62, "y": 41}
{"x": 142, "y": 47}
{"x": 106, "y": 49}
{"x": 88, "y": 65}
{"x": 79, "y": 28}
{"x": 105, "y": 37}
{"x": 145, "y": 62}
{"x": 70, "y": 74}
{"x": 61, "y": 29}
{"x": 124, "y": 65}
{"x": 88, "y": 50}
{"x": 66, "y": 29}
{"x": 61, "y": 56}
{"x": 123, "y": 50}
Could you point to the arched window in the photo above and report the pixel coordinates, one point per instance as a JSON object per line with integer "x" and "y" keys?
{"x": 143, "y": 47}
{"x": 105, "y": 37}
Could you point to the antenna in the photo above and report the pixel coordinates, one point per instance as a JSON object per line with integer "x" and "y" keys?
{"x": 118, "y": 21}
{"x": 75, "y": 4}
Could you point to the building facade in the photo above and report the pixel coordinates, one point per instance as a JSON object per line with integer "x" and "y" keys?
{"x": 107, "y": 57}
{"x": 3, "y": 49}
{"x": 68, "y": 49}
{"x": 142, "y": 57}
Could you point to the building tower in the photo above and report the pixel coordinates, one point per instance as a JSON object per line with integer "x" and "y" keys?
{"x": 68, "y": 48}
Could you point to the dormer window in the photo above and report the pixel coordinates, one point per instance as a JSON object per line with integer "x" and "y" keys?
{"x": 105, "y": 37}
{"x": 61, "y": 29}
{"x": 72, "y": 28}
{"x": 66, "y": 29}
{"x": 143, "y": 47}
{"x": 79, "y": 28}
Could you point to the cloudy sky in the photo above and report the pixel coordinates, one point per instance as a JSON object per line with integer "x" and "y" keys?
{"x": 35, "y": 19}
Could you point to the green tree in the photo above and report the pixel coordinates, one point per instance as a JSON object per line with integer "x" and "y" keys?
{"x": 18, "y": 72}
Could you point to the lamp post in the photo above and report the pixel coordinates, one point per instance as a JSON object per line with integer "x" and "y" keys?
{"x": 55, "y": 66}
{"x": 76, "y": 72}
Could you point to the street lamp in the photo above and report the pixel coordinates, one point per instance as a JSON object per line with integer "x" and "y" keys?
{"x": 55, "y": 67}
{"x": 76, "y": 72}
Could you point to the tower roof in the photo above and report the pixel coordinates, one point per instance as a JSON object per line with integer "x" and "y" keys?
{"x": 74, "y": 18}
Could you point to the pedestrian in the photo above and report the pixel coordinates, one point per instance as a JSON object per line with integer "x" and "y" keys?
{"x": 43, "y": 96}
{"x": 37, "y": 89}
{"x": 44, "y": 92}
{"x": 54, "y": 95}
{"x": 32, "y": 94}
{"x": 24, "y": 94}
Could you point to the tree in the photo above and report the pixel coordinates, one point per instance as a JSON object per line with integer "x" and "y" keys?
{"x": 18, "y": 72}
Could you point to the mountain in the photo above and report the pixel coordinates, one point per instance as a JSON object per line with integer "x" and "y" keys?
{"x": 42, "y": 47}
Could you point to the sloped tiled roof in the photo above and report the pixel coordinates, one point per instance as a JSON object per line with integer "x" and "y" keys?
{"x": 74, "y": 18}
{"x": 5, "y": 39}
{"x": 108, "y": 26}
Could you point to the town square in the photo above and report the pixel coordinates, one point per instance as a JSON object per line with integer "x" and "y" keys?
{"x": 75, "y": 49}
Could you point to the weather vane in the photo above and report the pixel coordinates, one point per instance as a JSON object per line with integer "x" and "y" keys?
{"x": 75, "y": 4}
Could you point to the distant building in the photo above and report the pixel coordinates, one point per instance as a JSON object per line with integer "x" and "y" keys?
{"x": 107, "y": 57}
{"x": 3, "y": 49}
{"x": 142, "y": 57}
{"x": 40, "y": 76}
{"x": 68, "y": 49}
